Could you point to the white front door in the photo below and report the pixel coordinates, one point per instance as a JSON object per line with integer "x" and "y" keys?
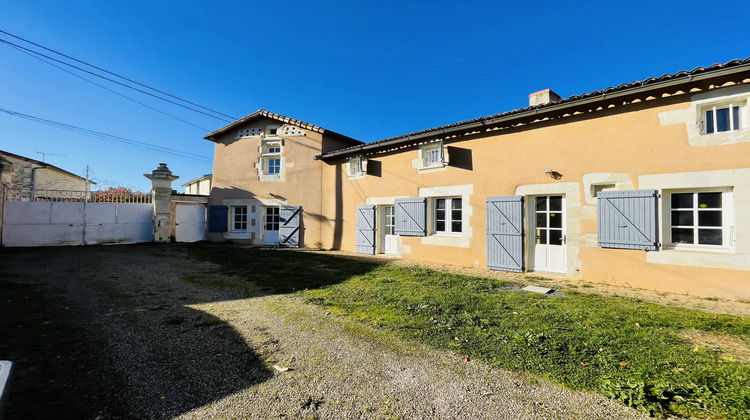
{"x": 548, "y": 225}
{"x": 270, "y": 226}
{"x": 389, "y": 239}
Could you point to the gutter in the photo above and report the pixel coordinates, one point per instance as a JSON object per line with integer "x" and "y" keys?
{"x": 544, "y": 110}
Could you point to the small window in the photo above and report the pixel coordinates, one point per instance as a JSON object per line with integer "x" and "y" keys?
{"x": 239, "y": 218}
{"x": 720, "y": 119}
{"x": 448, "y": 215}
{"x": 273, "y": 166}
{"x": 432, "y": 155}
{"x": 272, "y": 131}
{"x": 272, "y": 150}
{"x": 699, "y": 218}
{"x": 356, "y": 166}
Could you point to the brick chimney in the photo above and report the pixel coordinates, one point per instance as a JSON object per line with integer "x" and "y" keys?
{"x": 543, "y": 97}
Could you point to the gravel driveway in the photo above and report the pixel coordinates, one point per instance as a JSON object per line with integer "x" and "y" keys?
{"x": 133, "y": 334}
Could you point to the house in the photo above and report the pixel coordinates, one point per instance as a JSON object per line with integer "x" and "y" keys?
{"x": 198, "y": 186}
{"x": 27, "y": 175}
{"x": 266, "y": 187}
{"x": 642, "y": 185}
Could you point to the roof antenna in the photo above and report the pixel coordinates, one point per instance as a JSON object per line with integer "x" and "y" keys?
{"x": 44, "y": 155}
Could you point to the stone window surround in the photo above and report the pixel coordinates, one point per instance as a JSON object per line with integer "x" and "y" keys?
{"x": 462, "y": 240}
{"x": 693, "y": 116}
{"x": 736, "y": 179}
{"x": 419, "y": 162}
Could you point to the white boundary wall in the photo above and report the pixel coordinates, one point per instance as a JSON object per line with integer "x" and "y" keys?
{"x": 54, "y": 223}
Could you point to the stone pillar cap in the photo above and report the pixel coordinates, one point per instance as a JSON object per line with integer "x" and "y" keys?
{"x": 162, "y": 172}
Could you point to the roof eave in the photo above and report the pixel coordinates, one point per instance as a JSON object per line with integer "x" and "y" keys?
{"x": 543, "y": 110}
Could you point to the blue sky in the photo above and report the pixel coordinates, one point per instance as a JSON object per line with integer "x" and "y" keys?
{"x": 370, "y": 70}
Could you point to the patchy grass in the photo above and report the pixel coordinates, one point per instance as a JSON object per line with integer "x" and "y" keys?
{"x": 665, "y": 361}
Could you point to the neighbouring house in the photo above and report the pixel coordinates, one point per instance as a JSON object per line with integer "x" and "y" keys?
{"x": 643, "y": 185}
{"x": 266, "y": 187}
{"x": 198, "y": 186}
{"x": 30, "y": 175}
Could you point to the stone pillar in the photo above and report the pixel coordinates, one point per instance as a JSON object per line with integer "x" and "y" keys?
{"x": 161, "y": 186}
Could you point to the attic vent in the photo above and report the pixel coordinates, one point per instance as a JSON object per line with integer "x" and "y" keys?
{"x": 249, "y": 132}
{"x": 290, "y": 130}
{"x": 543, "y": 97}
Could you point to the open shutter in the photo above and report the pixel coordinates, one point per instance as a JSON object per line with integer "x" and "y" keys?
{"x": 505, "y": 250}
{"x": 366, "y": 230}
{"x": 628, "y": 219}
{"x": 411, "y": 216}
{"x": 289, "y": 226}
{"x": 218, "y": 217}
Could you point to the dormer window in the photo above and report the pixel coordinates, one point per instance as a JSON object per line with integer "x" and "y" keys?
{"x": 432, "y": 155}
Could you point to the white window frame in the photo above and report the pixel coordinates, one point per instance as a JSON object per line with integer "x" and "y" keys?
{"x": 233, "y": 223}
{"x": 741, "y": 115}
{"x": 727, "y": 219}
{"x": 447, "y": 217}
{"x": 356, "y": 167}
{"x": 432, "y": 155}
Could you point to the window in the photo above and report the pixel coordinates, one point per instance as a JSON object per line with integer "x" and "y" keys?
{"x": 448, "y": 215}
{"x": 728, "y": 118}
{"x": 699, "y": 218}
{"x": 272, "y": 131}
{"x": 272, "y": 218}
{"x": 239, "y": 218}
{"x": 271, "y": 150}
{"x": 432, "y": 155}
{"x": 273, "y": 166}
{"x": 357, "y": 166}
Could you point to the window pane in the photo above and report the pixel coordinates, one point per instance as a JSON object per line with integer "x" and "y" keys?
{"x": 736, "y": 117}
{"x": 541, "y": 219}
{"x": 440, "y": 226}
{"x": 541, "y": 236}
{"x": 456, "y": 226}
{"x": 541, "y": 203}
{"x": 456, "y": 215}
{"x": 722, "y": 119}
{"x": 439, "y": 214}
{"x": 456, "y": 203}
{"x": 555, "y": 237}
{"x": 709, "y": 122}
{"x": 682, "y": 218}
{"x": 709, "y": 218}
{"x": 682, "y": 201}
{"x": 440, "y": 203}
{"x": 709, "y": 236}
{"x": 555, "y": 203}
{"x": 709, "y": 200}
{"x": 555, "y": 220}
{"x": 682, "y": 236}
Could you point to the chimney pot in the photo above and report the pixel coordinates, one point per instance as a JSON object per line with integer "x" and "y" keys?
{"x": 543, "y": 97}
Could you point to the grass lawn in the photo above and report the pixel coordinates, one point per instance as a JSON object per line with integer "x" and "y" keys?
{"x": 642, "y": 354}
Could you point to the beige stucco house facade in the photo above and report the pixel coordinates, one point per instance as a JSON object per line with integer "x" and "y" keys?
{"x": 645, "y": 185}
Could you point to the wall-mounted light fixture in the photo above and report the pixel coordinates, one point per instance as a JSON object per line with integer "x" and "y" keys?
{"x": 553, "y": 174}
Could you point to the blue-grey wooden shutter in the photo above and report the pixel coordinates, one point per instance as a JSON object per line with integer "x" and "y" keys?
{"x": 628, "y": 219}
{"x": 505, "y": 238}
{"x": 366, "y": 230}
{"x": 218, "y": 217}
{"x": 289, "y": 226}
{"x": 411, "y": 216}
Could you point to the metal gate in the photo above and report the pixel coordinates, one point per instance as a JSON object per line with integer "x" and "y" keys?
{"x": 190, "y": 222}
